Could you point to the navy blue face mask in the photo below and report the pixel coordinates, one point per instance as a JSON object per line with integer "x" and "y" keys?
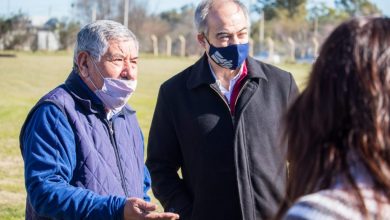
{"x": 230, "y": 57}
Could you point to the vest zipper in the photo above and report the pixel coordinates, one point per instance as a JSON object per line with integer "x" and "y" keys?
{"x": 112, "y": 138}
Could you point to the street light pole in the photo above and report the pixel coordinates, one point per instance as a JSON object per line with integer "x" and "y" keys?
{"x": 94, "y": 12}
{"x": 126, "y": 14}
{"x": 261, "y": 31}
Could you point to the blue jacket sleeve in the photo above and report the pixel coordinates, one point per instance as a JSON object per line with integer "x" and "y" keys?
{"x": 147, "y": 184}
{"x": 50, "y": 158}
{"x": 147, "y": 178}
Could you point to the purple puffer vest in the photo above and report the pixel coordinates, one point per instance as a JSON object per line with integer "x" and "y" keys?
{"x": 110, "y": 155}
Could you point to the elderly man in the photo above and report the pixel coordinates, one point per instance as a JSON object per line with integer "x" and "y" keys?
{"x": 81, "y": 143}
{"x": 219, "y": 122}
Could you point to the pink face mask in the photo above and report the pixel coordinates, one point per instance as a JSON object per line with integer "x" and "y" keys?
{"x": 115, "y": 92}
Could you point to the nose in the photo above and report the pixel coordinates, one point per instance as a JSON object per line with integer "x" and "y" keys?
{"x": 234, "y": 39}
{"x": 129, "y": 70}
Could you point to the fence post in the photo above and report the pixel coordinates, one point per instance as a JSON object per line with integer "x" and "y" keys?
{"x": 251, "y": 42}
{"x": 155, "y": 44}
{"x": 270, "y": 49}
{"x": 182, "y": 45}
{"x": 169, "y": 45}
{"x": 291, "y": 42}
{"x": 315, "y": 47}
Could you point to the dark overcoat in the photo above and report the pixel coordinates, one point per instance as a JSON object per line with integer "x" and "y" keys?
{"x": 233, "y": 166}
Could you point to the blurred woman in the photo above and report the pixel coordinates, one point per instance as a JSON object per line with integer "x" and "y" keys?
{"x": 338, "y": 129}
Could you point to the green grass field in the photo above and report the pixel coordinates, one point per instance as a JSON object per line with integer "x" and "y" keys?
{"x": 24, "y": 79}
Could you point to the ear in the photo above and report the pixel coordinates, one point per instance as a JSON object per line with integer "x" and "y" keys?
{"x": 82, "y": 63}
{"x": 201, "y": 39}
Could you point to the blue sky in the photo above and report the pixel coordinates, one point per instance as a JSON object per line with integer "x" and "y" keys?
{"x": 62, "y": 8}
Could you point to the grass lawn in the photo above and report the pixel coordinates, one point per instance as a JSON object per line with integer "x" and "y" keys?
{"x": 24, "y": 79}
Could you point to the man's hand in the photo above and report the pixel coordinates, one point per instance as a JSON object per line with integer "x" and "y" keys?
{"x": 138, "y": 209}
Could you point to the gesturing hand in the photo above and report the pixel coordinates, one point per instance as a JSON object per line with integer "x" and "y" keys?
{"x": 138, "y": 209}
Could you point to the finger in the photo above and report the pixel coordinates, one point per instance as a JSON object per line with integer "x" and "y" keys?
{"x": 145, "y": 206}
{"x": 162, "y": 216}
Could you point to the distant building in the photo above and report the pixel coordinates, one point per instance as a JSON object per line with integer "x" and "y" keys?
{"x": 47, "y": 37}
{"x": 28, "y": 37}
{"x": 47, "y": 40}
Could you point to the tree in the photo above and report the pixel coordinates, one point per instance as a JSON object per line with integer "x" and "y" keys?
{"x": 5, "y": 26}
{"x": 103, "y": 9}
{"x": 68, "y": 32}
{"x": 15, "y": 31}
{"x": 357, "y": 7}
{"x": 181, "y": 23}
{"x": 273, "y": 8}
{"x": 285, "y": 19}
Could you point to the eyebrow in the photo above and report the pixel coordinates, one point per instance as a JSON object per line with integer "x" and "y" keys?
{"x": 110, "y": 56}
{"x": 224, "y": 32}
{"x": 114, "y": 55}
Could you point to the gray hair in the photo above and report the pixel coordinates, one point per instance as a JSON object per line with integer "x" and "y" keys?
{"x": 203, "y": 9}
{"x": 93, "y": 38}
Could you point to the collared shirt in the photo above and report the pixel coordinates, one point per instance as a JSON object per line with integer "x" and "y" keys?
{"x": 235, "y": 86}
{"x": 227, "y": 92}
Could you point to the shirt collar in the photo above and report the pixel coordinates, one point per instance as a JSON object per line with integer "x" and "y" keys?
{"x": 234, "y": 78}
{"x": 200, "y": 73}
{"x": 232, "y": 81}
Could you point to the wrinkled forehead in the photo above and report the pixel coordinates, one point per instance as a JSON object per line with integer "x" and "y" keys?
{"x": 129, "y": 41}
{"x": 125, "y": 47}
{"x": 226, "y": 14}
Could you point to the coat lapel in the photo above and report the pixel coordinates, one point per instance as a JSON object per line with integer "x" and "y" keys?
{"x": 200, "y": 74}
{"x": 251, "y": 84}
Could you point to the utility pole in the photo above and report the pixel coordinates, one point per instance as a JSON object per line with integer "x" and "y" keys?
{"x": 93, "y": 18}
{"x": 49, "y": 12}
{"x": 261, "y": 30}
{"x": 126, "y": 14}
{"x": 250, "y": 7}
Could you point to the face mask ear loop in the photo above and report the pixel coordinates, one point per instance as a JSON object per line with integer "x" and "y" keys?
{"x": 207, "y": 40}
{"x": 97, "y": 68}
{"x": 89, "y": 77}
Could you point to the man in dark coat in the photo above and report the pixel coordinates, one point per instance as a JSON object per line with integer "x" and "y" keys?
{"x": 219, "y": 122}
